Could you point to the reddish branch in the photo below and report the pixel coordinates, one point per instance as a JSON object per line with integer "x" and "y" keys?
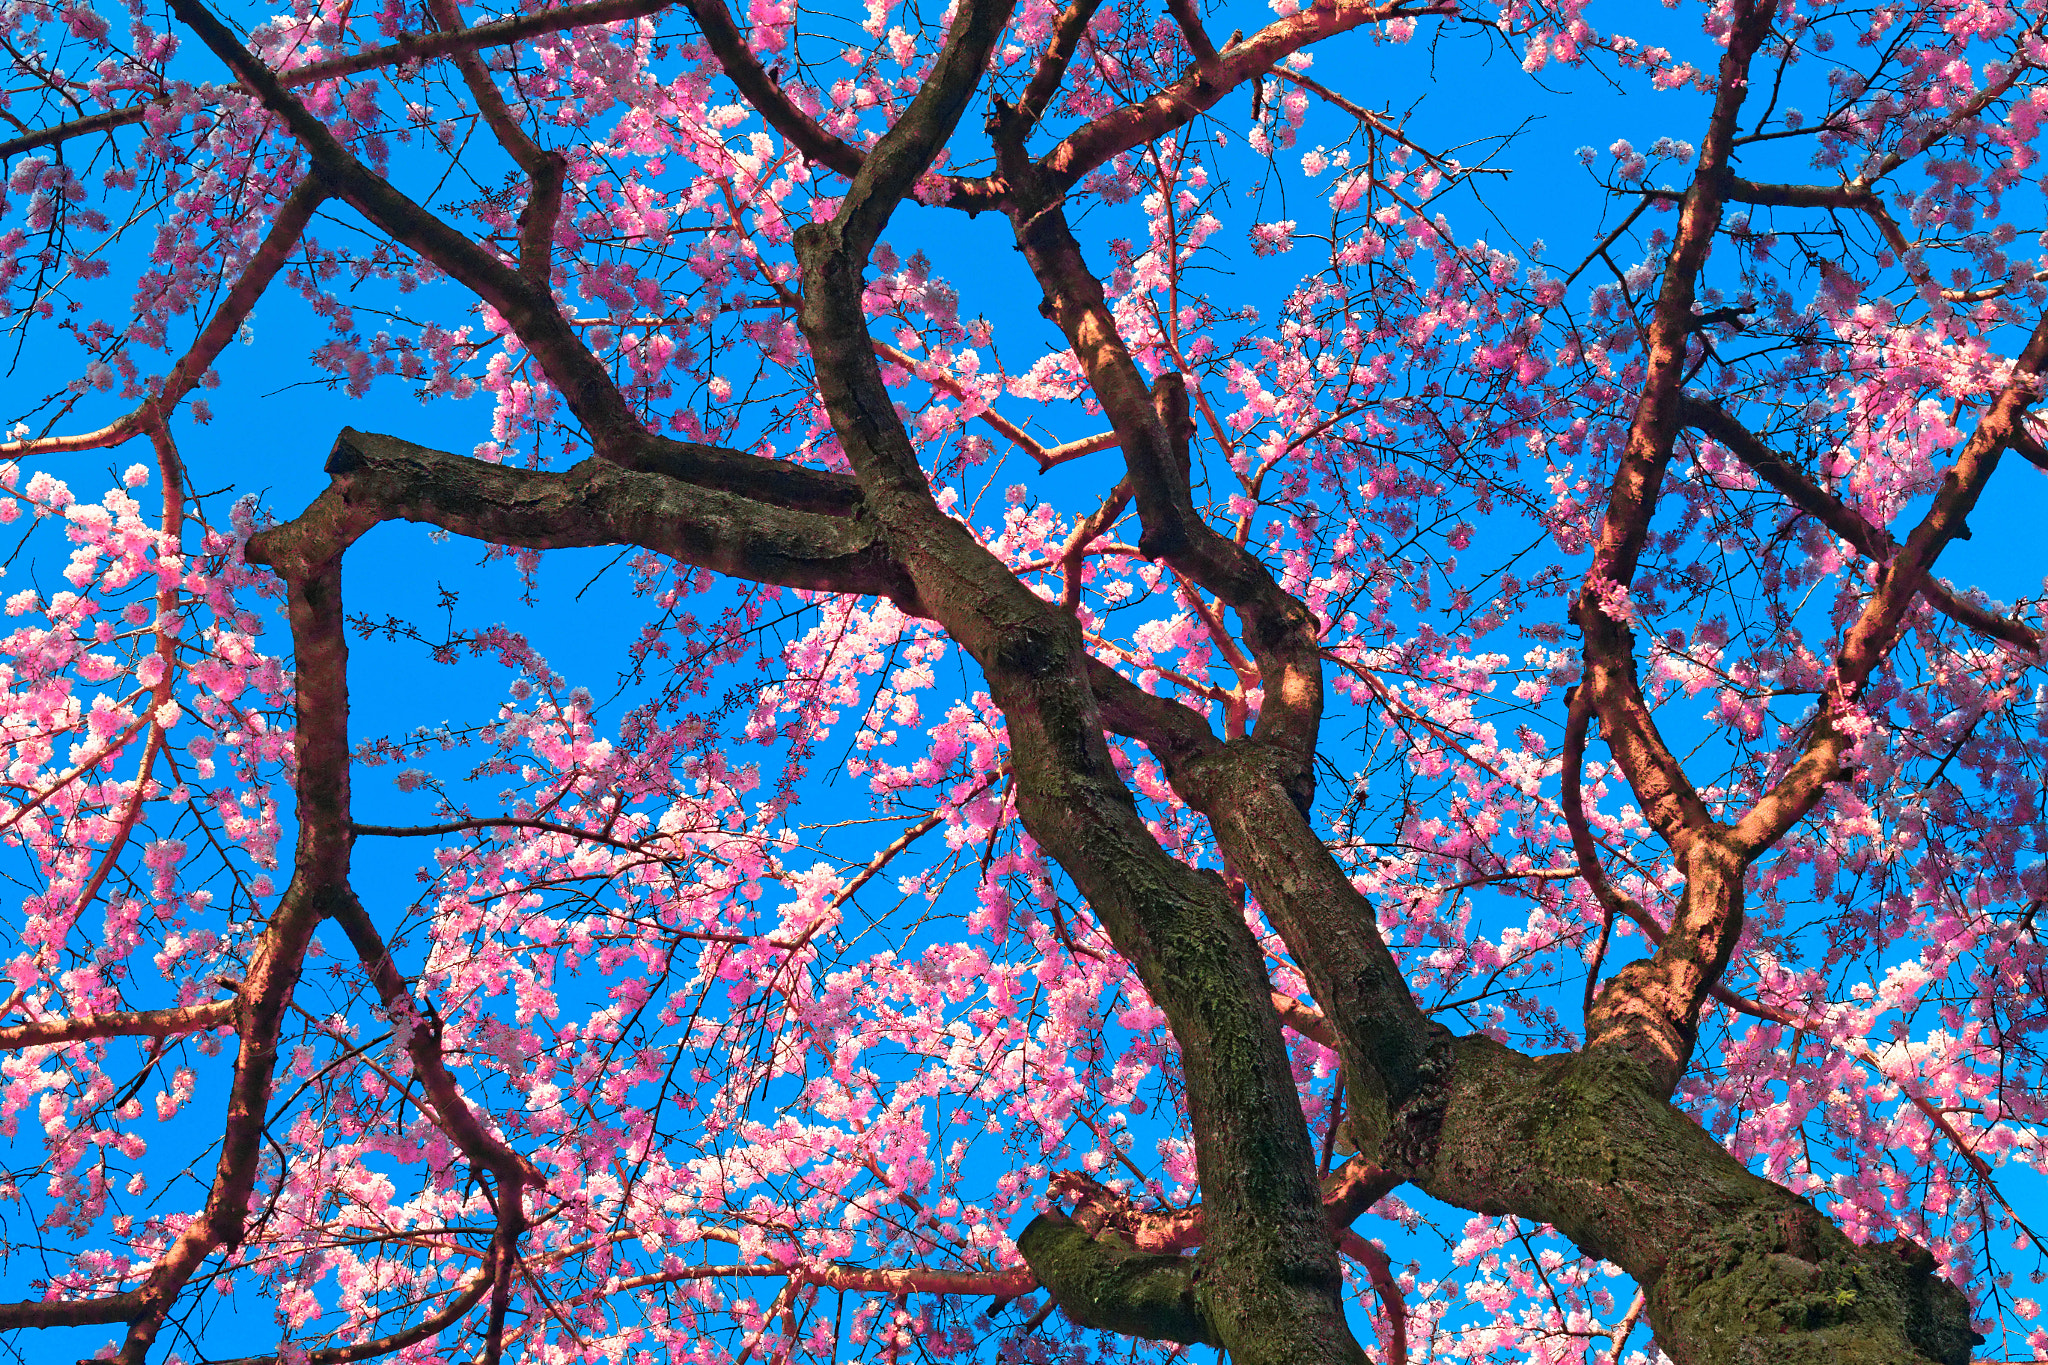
{"x": 1650, "y": 1010}
{"x": 1902, "y": 578}
{"x": 139, "y": 1024}
{"x": 319, "y": 880}
{"x": 452, "y": 1114}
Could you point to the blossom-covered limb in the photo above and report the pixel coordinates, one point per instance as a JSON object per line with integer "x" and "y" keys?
{"x": 311, "y": 568}
{"x": 1153, "y": 427}
{"x": 452, "y": 1113}
{"x": 1873, "y": 542}
{"x": 1322, "y": 917}
{"x": 289, "y": 225}
{"x": 1195, "y": 92}
{"x": 1572, "y": 798}
{"x": 545, "y": 170}
{"x": 1051, "y": 70}
{"x": 403, "y": 50}
{"x": 1380, "y": 1270}
{"x": 307, "y": 553}
{"x": 1902, "y": 578}
{"x": 1872, "y": 635}
{"x": 1046, "y": 456}
{"x": 439, "y": 1320}
{"x": 1667, "y": 796}
{"x": 615, "y": 431}
{"x": 1650, "y": 1009}
{"x": 745, "y": 71}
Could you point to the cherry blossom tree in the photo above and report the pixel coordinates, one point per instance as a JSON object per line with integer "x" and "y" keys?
{"x": 1417, "y": 801}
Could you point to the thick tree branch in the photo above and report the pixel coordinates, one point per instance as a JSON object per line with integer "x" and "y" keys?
{"x": 1667, "y": 797}
{"x": 141, "y": 1024}
{"x": 1154, "y": 429}
{"x": 1733, "y": 1267}
{"x": 311, "y": 567}
{"x": 380, "y": 478}
{"x": 1255, "y": 792}
{"x": 1650, "y": 1010}
{"x": 1272, "y": 1280}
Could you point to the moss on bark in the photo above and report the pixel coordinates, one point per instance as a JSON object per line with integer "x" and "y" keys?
{"x": 1735, "y": 1268}
{"x": 1108, "y": 1284}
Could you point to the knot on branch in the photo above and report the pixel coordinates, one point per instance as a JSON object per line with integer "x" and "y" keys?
{"x": 1108, "y": 1284}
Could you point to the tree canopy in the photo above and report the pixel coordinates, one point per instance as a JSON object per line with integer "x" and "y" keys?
{"x": 1357, "y": 785}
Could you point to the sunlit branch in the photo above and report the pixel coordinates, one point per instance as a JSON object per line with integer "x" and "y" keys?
{"x": 1381, "y": 1272}
{"x": 1046, "y": 456}
{"x": 1875, "y": 631}
{"x": 163, "y": 1023}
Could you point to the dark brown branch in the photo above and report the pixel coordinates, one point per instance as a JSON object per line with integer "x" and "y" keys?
{"x": 1191, "y": 30}
{"x": 615, "y": 432}
{"x": 1667, "y": 797}
{"x": 495, "y": 822}
{"x": 905, "y": 153}
{"x": 1347, "y": 1193}
{"x": 381, "y": 478}
{"x": 1254, "y": 793}
{"x": 545, "y": 170}
{"x": 1053, "y": 62}
{"x": 1074, "y": 553}
{"x": 1183, "y": 934}
{"x": 1572, "y": 799}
